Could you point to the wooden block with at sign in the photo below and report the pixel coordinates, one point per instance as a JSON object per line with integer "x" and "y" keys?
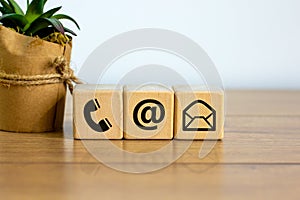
{"x": 148, "y": 112}
{"x": 199, "y": 113}
{"x": 98, "y": 112}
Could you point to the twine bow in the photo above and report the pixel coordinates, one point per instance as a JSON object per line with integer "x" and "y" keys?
{"x": 64, "y": 74}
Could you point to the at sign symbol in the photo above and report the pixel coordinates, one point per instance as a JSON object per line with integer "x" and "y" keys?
{"x": 148, "y": 112}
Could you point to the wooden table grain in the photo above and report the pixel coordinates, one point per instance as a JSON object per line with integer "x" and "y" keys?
{"x": 258, "y": 159}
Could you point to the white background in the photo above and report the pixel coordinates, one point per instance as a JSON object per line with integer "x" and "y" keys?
{"x": 254, "y": 43}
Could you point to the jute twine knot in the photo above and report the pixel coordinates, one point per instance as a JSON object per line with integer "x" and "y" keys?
{"x": 67, "y": 74}
{"x": 64, "y": 74}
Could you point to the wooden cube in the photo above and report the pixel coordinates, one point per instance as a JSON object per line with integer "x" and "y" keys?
{"x": 199, "y": 113}
{"x": 98, "y": 112}
{"x": 148, "y": 112}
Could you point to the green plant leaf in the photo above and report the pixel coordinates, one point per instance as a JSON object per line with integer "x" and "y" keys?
{"x": 45, "y": 32}
{"x": 42, "y": 23}
{"x": 56, "y": 24}
{"x": 35, "y": 9}
{"x": 15, "y": 7}
{"x": 47, "y": 14}
{"x": 4, "y": 11}
{"x": 35, "y": 21}
{"x": 17, "y": 19}
{"x": 50, "y": 13}
{"x": 70, "y": 31}
{"x": 6, "y": 7}
{"x": 62, "y": 16}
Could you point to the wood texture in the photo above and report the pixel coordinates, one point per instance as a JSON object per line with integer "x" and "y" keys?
{"x": 136, "y": 101}
{"x": 259, "y": 158}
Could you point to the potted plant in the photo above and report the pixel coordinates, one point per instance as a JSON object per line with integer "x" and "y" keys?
{"x": 35, "y": 51}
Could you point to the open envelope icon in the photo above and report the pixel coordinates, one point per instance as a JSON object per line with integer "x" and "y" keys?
{"x": 199, "y": 116}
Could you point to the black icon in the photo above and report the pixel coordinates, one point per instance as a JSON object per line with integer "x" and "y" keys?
{"x": 153, "y": 110}
{"x": 103, "y": 125}
{"x": 204, "y": 120}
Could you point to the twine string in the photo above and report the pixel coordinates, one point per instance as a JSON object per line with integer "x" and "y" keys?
{"x": 64, "y": 74}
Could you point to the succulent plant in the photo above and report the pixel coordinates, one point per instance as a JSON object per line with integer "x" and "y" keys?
{"x": 35, "y": 22}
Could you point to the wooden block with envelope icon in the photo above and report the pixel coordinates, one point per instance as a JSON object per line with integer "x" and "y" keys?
{"x": 199, "y": 113}
{"x": 98, "y": 111}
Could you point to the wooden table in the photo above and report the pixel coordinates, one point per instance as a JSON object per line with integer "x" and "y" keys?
{"x": 258, "y": 159}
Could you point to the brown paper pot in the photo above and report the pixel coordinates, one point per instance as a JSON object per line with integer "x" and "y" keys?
{"x": 38, "y": 108}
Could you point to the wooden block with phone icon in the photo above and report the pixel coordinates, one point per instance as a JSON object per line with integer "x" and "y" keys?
{"x": 148, "y": 112}
{"x": 98, "y": 112}
{"x": 199, "y": 113}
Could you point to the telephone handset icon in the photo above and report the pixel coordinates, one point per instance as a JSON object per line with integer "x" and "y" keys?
{"x": 101, "y": 126}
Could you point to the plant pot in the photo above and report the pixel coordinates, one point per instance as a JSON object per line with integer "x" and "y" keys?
{"x": 37, "y": 107}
